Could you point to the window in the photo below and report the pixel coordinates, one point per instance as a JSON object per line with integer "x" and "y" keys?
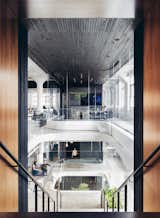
{"x": 131, "y": 96}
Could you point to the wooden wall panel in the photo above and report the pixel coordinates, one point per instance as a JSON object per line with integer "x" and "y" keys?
{"x": 8, "y": 105}
{"x": 151, "y": 100}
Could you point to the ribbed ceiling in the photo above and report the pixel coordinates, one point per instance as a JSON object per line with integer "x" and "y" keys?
{"x": 78, "y": 46}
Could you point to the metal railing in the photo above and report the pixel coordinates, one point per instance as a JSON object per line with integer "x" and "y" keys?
{"x": 116, "y": 194}
{"x": 36, "y": 184}
{"x": 106, "y": 205}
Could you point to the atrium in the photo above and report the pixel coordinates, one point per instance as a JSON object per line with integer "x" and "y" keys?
{"x": 79, "y": 107}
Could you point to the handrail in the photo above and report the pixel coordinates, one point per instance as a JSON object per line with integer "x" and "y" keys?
{"x": 7, "y": 151}
{"x": 132, "y": 174}
{"x": 152, "y": 154}
{"x": 50, "y": 170}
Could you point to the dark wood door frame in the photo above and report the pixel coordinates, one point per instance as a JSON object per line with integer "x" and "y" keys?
{"x": 23, "y": 115}
{"x": 138, "y": 114}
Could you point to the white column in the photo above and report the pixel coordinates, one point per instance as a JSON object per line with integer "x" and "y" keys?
{"x": 51, "y": 97}
{"x": 114, "y": 98}
{"x": 88, "y": 95}
{"x": 117, "y": 97}
{"x": 126, "y": 98}
{"x": 40, "y": 95}
{"x": 67, "y": 97}
{"x": 41, "y": 149}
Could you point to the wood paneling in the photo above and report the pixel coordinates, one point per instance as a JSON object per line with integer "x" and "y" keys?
{"x": 151, "y": 134}
{"x": 8, "y": 105}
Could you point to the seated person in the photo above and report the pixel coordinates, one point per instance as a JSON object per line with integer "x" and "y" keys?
{"x": 44, "y": 168}
{"x": 74, "y": 153}
{"x": 35, "y": 170}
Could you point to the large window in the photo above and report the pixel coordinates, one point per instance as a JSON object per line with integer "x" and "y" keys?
{"x": 47, "y": 99}
{"x": 131, "y": 96}
{"x": 32, "y": 98}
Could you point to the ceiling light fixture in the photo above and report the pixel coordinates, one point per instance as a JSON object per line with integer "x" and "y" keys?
{"x": 116, "y": 39}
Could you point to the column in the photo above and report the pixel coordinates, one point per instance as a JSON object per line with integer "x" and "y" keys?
{"x": 95, "y": 94}
{"x": 88, "y": 95}
{"x": 40, "y": 95}
{"x": 51, "y": 96}
{"x": 117, "y": 98}
{"x": 41, "y": 149}
{"x": 67, "y": 105}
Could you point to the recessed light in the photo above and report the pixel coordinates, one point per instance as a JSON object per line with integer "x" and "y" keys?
{"x": 116, "y": 39}
{"x": 66, "y": 144}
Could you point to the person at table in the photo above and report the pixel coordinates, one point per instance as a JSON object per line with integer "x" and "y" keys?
{"x": 35, "y": 170}
{"x": 44, "y": 168}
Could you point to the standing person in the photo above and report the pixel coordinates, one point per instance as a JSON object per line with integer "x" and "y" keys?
{"x": 74, "y": 153}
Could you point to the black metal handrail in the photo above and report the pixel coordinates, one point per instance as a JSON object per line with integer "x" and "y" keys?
{"x": 132, "y": 174}
{"x": 37, "y": 185}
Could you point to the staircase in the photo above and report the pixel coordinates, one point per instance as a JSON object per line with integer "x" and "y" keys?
{"x": 80, "y": 201}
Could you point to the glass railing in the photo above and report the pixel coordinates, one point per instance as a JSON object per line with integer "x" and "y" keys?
{"x": 122, "y": 118}
{"x": 73, "y": 155}
{"x": 73, "y": 113}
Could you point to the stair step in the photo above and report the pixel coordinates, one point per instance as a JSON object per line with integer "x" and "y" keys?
{"x": 82, "y": 210}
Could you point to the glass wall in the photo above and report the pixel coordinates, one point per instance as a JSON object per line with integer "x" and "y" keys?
{"x": 118, "y": 96}
{"x": 114, "y": 99}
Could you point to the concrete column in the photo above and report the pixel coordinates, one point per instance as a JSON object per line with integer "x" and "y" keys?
{"x": 39, "y": 95}
{"x": 88, "y": 95}
{"x": 51, "y": 97}
{"x": 117, "y": 97}
{"x": 114, "y": 96}
{"x": 67, "y": 97}
{"x": 41, "y": 149}
{"x": 126, "y": 98}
